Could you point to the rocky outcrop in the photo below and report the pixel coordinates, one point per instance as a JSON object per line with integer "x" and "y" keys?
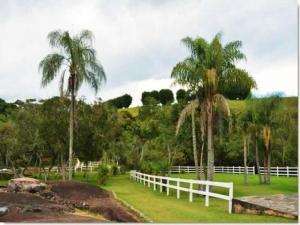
{"x": 25, "y": 184}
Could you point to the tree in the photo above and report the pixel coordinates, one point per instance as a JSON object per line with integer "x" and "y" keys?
{"x": 123, "y": 101}
{"x": 165, "y": 96}
{"x": 203, "y": 72}
{"x": 77, "y": 56}
{"x": 181, "y": 95}
{"x": 238, "y": 85}
{"x": 190, "y": 109}
{"x": 152, "y": 94}
{"x": 266, "y": 108}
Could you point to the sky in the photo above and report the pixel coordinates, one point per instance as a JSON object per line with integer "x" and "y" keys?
{"x": 138, "y": 42}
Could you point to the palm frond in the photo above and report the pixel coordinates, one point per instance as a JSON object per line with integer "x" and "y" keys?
{"x": 191, "y": 107}
{"x": 221, "y": 102}
{"x": 50, "y": 66}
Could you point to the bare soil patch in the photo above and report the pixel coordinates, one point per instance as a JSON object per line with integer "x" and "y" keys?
{"x": 58, "y": 203}
{"x": 94, "y": 199}
{"x": 27, "y": 207}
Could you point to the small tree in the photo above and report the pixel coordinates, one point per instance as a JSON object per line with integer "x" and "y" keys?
{"x": 166, "y": 96}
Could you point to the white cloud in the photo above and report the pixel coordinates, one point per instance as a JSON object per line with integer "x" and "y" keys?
{"x": 139, "y": 41}
{"x": 135, "y": 89}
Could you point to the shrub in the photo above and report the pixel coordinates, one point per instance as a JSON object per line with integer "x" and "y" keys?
{"x": 103, "y": 172}
{"x": 115, "y": 170}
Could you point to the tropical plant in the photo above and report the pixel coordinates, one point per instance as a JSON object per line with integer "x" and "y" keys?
{"x": 204, "y": 72}
{"x": 190, "y": 109}
{"x": 266, "y": 108}
{"x": 76, "y": 55}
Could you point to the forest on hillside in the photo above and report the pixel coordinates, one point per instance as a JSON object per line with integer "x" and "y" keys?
{"x": 34, "y": 134}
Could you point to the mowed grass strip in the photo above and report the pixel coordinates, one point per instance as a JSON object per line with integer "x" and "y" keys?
{"x": 162, "y": 208}
{"x": 279, "y": 185}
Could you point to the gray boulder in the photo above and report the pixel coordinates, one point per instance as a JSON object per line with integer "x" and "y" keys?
{"x": 26, "y": 184}
{"x": 3, "y": 210}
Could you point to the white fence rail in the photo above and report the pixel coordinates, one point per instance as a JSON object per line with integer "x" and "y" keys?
{"x": 282, "y": 171}
{"x": 176, "y": 183}
{"x": 277, "y": 171}
{"x": 217, "y": 169}
{"x": 91, "y": 166}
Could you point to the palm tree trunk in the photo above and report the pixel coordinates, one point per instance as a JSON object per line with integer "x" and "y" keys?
{"x": 72, "y": 109}
{"x": 195, "y": 146}
{"x": 266, "y": 136}
{"x": 257, "y": 159}
{"x": 210, "y": 150}
{"x": 245, "y": 160}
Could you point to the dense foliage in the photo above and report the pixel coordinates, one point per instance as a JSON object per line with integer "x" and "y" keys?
{"x": 123, "y": 101}
{"x": 35, "y": 134}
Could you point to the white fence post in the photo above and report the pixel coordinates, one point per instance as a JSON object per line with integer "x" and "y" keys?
{"x": 144, "y": 179}
{"x": 179, "y": 169}
{"x": 188, "y": 169}
{"x": 191, "y": 193}
{"x": 160, "y": 184}
{"x": 154, "y": 183}
{"x": 233, "y": 169}
{"x": 168, "y": 190}
{"x": 148, "y": 181}
{"x": 230, "y": 198}
{"x": 277, "y": 171}
{"x": 253, "y": 170}
{"x": 178, "y": 191}
{"x": 222, "y": 169}
{"x": 287, "y": 171}
{"x": 207, "y": 195}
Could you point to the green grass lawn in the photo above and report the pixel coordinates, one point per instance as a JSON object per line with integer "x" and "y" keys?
{"x": 159, "y": 207}
{"x": 279, "y": 185}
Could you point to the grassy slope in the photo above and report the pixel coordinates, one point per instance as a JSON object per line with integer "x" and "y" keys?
{"x": 236, "y": 106}
{"x": 161, "y": 208}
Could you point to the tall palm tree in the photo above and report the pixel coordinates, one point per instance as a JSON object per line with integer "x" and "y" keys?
{"x": 76, "y": 55}
{"x": 265, "y": 110}
{"x": 190, "y": 109}
{"x": 203, "y": 72}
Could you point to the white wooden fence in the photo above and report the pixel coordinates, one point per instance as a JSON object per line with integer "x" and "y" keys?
{"x": 282, "y": 171}
{"x": 91, "y": 166}
{"x": 217, "y": 169}
{"x": 277, "y": 171}
{"x": 176, "y": 183}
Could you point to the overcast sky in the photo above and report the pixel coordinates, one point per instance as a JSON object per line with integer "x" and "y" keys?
{"x": 138, "y": 42}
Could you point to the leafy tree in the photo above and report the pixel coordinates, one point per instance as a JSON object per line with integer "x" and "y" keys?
{"x": 204, "y": 72}
{"x": 166, "y": 96}
{"x": 76, "y": 56}
{"x": 123, "y": 101}
{"x": 181, "y": 95}
{"x": 238, "y": 85}
{"x": 146, "y": 95}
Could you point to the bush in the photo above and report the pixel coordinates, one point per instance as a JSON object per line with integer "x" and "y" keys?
{"x": 115, "y": 170}
{"x": 103, "y": 172}
{"x": 154, "y": 167}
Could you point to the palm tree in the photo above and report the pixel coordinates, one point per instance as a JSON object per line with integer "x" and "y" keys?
{"x": 203, "y": 72}
{"x": 265, "y": 110}
{"x": 76, "y": 55}
{"x": 190, "y": 109}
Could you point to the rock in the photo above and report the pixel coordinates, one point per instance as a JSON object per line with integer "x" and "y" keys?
{"x": 31, "y": 209}
{"x": 26, "y": 184}
{"x": 3, "y": 210}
